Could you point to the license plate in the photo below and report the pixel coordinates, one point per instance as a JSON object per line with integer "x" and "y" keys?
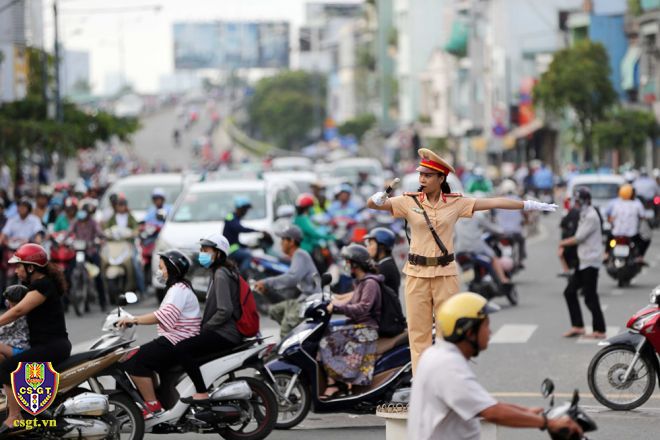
{"x": 467, "y": 275}
{"x": 80, "y": 257}
{"x": 649, "y": 213}
{"x": 507, "y": 251}
{"x": 621, "y": 251}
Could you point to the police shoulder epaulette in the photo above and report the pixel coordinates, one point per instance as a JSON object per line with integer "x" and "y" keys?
{"x": 453, "y": 195}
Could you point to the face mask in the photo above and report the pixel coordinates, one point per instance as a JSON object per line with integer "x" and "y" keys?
{"x": 81, "y": 215}
{"x": 205, "y": 259}
{"x": 160, "y": 277}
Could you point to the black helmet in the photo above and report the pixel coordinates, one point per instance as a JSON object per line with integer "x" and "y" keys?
{"x": 15, "y": 293}
{"x": 25, "y": 202}
{"x": 583, "y": 195}
{"x": 357, "y": 254}
{"x": 177, "y": 260}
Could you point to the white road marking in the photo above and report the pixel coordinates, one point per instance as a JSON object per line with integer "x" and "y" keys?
{"x": 513, "y": 334}
{"x": 611, "y": 331}
{"x": 604, "y": 307}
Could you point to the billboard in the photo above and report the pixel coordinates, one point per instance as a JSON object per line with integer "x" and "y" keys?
{"x": 231, "y": 45}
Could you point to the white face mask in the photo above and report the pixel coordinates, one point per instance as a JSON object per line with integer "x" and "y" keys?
{"x": 160, "y": 277}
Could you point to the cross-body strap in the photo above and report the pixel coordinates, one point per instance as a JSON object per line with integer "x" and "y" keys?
{"x": 439, "y": 242}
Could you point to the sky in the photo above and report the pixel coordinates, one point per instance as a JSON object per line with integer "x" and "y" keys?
{"x": 146, "y": 36}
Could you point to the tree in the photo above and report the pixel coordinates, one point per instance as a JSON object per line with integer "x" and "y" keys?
{"x": 626, "y": 131}
{"x": 357, "y": 126}
{"x": 284, "y": 108}
{"x": 578, "y": 79}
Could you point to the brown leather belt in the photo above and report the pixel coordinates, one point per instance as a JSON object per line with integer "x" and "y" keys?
{"x": 419, "y": 260}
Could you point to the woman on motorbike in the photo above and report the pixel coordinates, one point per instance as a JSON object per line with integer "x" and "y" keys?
{"x": 178, "y": 318}
{"x": 221, "y": 310}
{"x": 348, "y": 353}
{"x": 312, "y": 236}
{"x": 42, "y": 305}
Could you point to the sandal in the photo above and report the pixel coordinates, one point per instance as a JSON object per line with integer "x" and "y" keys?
{"x": 595, "y": 335}
{"x": 573, "y": 333}
{"x": 327, "y": 396}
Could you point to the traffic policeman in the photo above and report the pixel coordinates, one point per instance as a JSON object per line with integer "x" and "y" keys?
{"x": 431, "y": 213}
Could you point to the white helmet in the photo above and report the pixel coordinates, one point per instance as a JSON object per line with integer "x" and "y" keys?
{"x": 158, "y": 192}
{"x": 216, "y": 240}
{"x": 508, "y": 186}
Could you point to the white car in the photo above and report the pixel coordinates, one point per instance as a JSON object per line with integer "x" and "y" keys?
{"x": 292, "y": 163}
{"x": 302, "y": 179}
{"x": 137, "y": 190}
{"x": 202, "y": 209}
{"x": 603, "y": 188}
{"x": 347, "y": 170}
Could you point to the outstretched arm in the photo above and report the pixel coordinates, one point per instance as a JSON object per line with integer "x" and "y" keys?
{"x": 497, "y": 203}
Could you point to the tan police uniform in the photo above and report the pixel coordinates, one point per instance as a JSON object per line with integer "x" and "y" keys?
{"x": 428, "y": 286}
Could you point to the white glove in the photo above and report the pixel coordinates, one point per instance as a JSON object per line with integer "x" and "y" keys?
{"x": 379, "y": 198}
{"x": 533, "y": 205}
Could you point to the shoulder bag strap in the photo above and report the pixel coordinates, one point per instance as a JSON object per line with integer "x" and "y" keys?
{"x": 439, "y": 242}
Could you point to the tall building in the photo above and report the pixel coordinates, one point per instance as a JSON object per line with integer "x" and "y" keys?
{"x": 21, "y": 26}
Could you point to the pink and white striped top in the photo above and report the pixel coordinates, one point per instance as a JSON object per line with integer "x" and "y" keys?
{"x": 179, "y": 316}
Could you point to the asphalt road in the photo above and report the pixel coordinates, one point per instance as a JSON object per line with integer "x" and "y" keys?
{"x": 526, "y": 344}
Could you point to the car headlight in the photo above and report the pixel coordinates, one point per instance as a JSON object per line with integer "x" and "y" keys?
{"x": 293, "y": 340}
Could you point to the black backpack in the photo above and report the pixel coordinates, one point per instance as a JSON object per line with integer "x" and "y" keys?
{"x": 392, "y": 322}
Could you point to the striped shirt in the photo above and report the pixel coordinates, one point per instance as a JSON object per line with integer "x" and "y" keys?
{"x": 179, "y": 316}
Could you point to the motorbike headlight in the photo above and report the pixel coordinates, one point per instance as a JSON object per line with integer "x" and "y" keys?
{"x": 641, "y": 322}
{"x": 293, "y": 340}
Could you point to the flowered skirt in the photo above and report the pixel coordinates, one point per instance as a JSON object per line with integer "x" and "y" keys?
{"x": 348, "y": 353}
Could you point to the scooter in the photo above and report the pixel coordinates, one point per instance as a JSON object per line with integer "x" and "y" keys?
{"x": 569, "y": 409}
{"x": 82, "y": 276}
{"x": 481, "y": 278}
{"x": 147, "y": 237}
{"x": 622, "y": 375}
{"x": 300, "y": 378}
{"x": 621, "y": 261}
{"x": 239, "y": 407}
{"x": 61, "y": 249}
{"x": 116, "y": 260}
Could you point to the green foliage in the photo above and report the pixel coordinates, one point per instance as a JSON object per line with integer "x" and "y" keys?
{"x": 625, "y": 130}
{"x": 578, "y": 79}
{"x": 357, "y": 126}
{"x": 285, "y": 107}
{"x": 635, "y": 8}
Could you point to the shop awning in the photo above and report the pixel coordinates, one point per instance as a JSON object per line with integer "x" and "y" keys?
{"x": 629, "y": 68}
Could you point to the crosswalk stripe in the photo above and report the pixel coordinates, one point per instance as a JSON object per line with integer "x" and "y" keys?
{"x": 513, "y": 334}
{"x": 611, "y": 331}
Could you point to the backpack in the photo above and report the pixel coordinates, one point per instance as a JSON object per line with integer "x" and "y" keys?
{"x": 248, "y": 323}
{"x": 392, "y": 322}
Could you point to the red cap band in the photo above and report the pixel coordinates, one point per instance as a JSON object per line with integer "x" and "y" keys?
{"x": 434, "y": 166}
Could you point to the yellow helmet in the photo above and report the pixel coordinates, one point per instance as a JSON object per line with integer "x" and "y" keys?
{"x": 626, "y": 192}
{"x": 462, "y": 312}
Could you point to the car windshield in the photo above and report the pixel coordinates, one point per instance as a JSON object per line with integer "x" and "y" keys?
{"x": 139, "y": 195}
{"x": 600, "y": 190}
{"x": 351, "y": 172}
{"x": 213, "y": 206}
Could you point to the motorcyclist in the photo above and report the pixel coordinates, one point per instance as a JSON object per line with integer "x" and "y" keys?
{"x": 625, "y": 216}
{"x": 42, "y": 208}
{"x": 159, "y": 210}
{"x": 543, "y": 180}
{"x": 468, "y": 234}
{"x": 511, "y": 222}
{"x": 344, "y": 205}
{"x": 25, "y": 226}
{"x": 364, "y": 186}
{"x": 379, "y": 242}
{"x": 284, "y": 290}
{"x": 123, "y": 219}
{"x": 233, "y": 228}
{"x": 446, "y": 400}
{"x": 66, "y": 218}
{"x": 479, "y": 182}
{"x": 645, "y": 186}
{"x": 312, "y": 236}
{"x": 87, "y": 229}
{"x": 321, "y": 202}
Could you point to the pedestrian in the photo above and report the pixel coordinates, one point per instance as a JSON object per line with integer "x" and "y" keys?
{"x": 448, "y": 406}
{"x": 589, "y": 241}
{"x": 431, "y": 273}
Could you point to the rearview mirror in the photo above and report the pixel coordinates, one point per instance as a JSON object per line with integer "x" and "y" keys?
{"x": 326, "y": 279}
{"x": 285, "y": 211}
{"x": 547, "y": 388}
{"x": 130, "y": 297}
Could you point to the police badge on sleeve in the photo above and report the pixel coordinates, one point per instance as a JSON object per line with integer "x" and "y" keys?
{"x": 35, "y": 386}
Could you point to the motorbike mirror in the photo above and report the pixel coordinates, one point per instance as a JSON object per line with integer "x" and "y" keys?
{"x": 131, "y": 297}
{"x": 326, "y": 279}
{"x": 285, "y": 211}
{"x": 547, "y": 388}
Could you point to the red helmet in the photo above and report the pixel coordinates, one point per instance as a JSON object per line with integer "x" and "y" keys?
{"x": 305, "y": 200}
{"x": 30, "y": 253}
{"x": 71, "y": 202}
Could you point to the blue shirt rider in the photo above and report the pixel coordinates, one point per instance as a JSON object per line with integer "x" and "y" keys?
{"x": 344, "y": 206}
{"x": 233, "y": 228}
{"x": 159, "y": 210}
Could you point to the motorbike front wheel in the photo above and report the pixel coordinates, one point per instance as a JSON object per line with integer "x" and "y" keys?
{"x": 293, "y": 410}
{"x": 79, "y": 289}
{"x": 128, "y": 415}
{"x": 605, "y": 376}
{"x": 263, "y": 408}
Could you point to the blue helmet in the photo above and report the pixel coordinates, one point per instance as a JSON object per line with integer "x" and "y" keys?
{"x": 242, "y": 202}
{"x": 382, "y": 236}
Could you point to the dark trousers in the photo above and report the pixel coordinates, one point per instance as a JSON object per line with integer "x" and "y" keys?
{"x": 54, "y": 351}
{"x": 156, "y": 355}
{"x": 587, "y": 280}
{"x": 188, "y": 350}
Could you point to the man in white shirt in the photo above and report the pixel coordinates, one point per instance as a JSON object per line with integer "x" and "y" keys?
{"x": 447, "y": 401}
{"x": 625, "y": 215}
{"x": 23, "y": 227}
{"x": 645, "y": 186}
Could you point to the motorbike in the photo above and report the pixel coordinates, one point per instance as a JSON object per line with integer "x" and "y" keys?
{"x": 300, "y": 378}
{"x": 116, "y": 260}
{"x": 622, "y": 375}
{"x": 506, "y": 250}
{"x": 61, "y": 249}
{"x": 621, "y": 262}
{"x": 481, "y": 278}
{"x": 239, "y": 407}
{"x": 571, "y": 409}
{"x": 82, "y": 279}
{"x": 148, "y": 234}
{"x": 652, "y": 211}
